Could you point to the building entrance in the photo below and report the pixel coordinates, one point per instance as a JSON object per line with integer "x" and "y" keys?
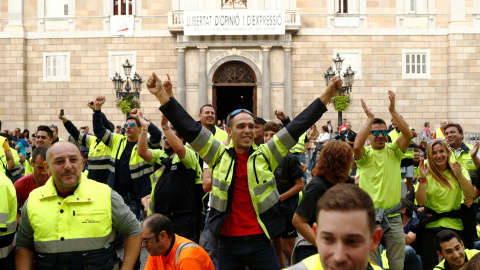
{"x": 234, "y": 87}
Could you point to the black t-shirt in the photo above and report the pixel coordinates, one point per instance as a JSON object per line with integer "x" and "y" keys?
{"x": 286, "y": 172}
{"x": 123, "y": 179}
{"x": 313, "y": 192}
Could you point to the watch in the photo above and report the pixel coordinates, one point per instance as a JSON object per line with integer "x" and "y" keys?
{"x": 166, "y": 127}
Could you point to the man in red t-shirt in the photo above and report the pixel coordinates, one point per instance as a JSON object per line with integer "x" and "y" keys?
{"x": 34, "y": 180}
{"x": 246, "y": 211}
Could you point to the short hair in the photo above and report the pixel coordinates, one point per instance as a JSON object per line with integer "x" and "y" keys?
{"x": 348, "y": 122}
{"x": 348, "y": 197}
{"x": 206, "y": 105}
{"x": 272, "y": 126}
{"x": 325, "y": 128}
{"x": 416, "y": 149}
{"x": 21, "y": 136}
{"x": 426, "y": 124}
{"x": 408, "y": 206}
{"x": 40, "y": 151}
{"x": 335, "y": 160}
{"x": 6, "y": 136}
{"x": 379, "y": 121}
{"x": 444, "y": 236}
{"x": 55, "y": 127}
{"x": 230, "y": 118}
{"x": 157, "y": 223}
{"x": 136, "y": 120}
{"x": 46, "y": 129}
{"x": 459, "y": 128}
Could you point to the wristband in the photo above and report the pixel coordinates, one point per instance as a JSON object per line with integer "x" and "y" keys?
{"x": 146, "y": 129}
{"x": 367, "y": 127}
{"x": 422, "y": 180}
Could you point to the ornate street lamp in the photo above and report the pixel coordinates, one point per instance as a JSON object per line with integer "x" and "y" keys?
{"x": 136, "y": 82}
{"x": 348, "y": 76}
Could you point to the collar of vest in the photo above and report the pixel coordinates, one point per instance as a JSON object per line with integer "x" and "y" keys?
{"x": 464, "y": 147}
{"x": 230, "y": 149}
{"x": 82, "y": 194}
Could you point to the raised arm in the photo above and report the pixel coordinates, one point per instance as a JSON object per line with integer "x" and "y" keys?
{"x": 105, "y": 135}
{"x": 421, "y": 194}
{"x": 358, "y": 149}
{"x": 82, "y": 138}
{"x": 474, "y": 154}
{"x": 465, "y": 184}
{"x": 142, "y": 145}
{"x": 404, "y": 140}
{"x": 173, "y": 140}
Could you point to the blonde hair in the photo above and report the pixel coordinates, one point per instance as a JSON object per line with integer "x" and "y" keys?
{"x": 433, "y": 168}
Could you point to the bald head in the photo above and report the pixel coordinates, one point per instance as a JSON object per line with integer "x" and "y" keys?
{"x": 60, "y": 146}
{"x": 65, "y": 165}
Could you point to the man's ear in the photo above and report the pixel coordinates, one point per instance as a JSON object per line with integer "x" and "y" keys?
{"x": 45, "y": 165}
{"x": 376, "y": 237}
{"x": 229, "y": 131}
{"x": 315, "y": 229}
{"x": 440, "y": 255}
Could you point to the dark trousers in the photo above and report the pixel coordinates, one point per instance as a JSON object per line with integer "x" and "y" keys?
{"x": 252, "y": 251}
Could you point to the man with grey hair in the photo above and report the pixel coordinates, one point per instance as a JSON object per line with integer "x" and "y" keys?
{"x": 69, "y": 222}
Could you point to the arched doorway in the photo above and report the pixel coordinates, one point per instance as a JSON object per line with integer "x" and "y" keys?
{"x": 234, "y": 87}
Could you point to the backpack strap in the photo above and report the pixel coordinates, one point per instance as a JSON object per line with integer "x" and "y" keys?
{"x": 182, "y": 246}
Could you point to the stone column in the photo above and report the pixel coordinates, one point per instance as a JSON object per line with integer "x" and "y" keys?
{"x": 287, "y": 81}
{"x": 266, "y": 84}
{"x": 181, "y": 81}
{"x": 202, "y": 76}
{"x": 15, "y": 16}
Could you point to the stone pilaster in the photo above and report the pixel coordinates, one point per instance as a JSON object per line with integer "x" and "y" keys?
{"x": 266, "y": 86}
{"x": 181, "y": 80}
{"x": 202, "y": 76}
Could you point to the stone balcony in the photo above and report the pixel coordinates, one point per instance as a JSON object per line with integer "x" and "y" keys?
{"x": 292, "y": 21}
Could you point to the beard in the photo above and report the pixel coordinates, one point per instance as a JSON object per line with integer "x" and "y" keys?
{"x": 169, "y": 151}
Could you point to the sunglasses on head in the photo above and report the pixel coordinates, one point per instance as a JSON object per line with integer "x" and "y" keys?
{"x": 239, "y": 111}
{"x": 377, "y": 132}
{"x": 435, "y": 140}
{"x": 129, "y": 124}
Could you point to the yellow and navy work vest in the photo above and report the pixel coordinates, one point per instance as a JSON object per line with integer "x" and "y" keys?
{"x": 98, "y": 157}
{"x": 261, "y": 180}
{"x": 468, "y": 255}
{"x": 439, "y": 134}
{"x": 28, "y": 166}
{"x": 8, "y": 214}
{"x": 16, "y": 170}
{"x": 394, "y": 134}
{"x": 3, "y": 157}
{"x": 298, "y": 148}
{"x": 313, "y": 263}
{"x": 465, "y": 160}
{"x": 79, "y": 222}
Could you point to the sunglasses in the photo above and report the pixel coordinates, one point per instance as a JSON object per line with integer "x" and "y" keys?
{"x": 129, "y": 124}
{"x": 239, "y": 111}
{"x": 377, "y": 132}
{"x": 435, "y": 140}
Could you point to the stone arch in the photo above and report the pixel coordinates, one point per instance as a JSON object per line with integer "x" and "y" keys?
{"x": 234, "y": 58}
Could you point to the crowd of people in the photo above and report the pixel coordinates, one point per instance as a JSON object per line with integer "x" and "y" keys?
{"x": 233, "y": 193}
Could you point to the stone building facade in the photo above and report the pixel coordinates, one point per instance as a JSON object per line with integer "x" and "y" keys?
{"x": 60, "y": 53}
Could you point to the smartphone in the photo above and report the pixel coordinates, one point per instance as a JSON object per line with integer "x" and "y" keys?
{"x": 62, "y": 113}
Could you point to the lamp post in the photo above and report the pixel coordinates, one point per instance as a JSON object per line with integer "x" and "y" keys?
{"x": 127, "y": 96}
{"x": 348, "y": 80}
{"x": 118, "y": 82}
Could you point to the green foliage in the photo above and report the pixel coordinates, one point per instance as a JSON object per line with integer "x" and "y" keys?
{"x": 128, "y": 103}
{"x": 341, "y": 102}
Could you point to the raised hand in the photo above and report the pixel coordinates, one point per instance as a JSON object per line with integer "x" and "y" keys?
{"x": 474, "y": 150}
{"x": 280, "y": 115}
{"x": 154, "y": 84}
{"x": 62, "y": 117}
{"x": 167, "y": 85}
{"x": 368, "y": 111}
{"x": 423, "y": 168}
{"x": 334, "y": 86}
{"x": 91, "y": 104}
{"x": 457, "y": 169}
{"x": 391, "y": 97}
{"x": 164, "y": 121}
{"x": 99, "y": 101}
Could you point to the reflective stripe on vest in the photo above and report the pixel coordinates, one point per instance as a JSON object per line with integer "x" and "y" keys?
{"x": 179, "y": 249}
{"x": 81, "y": 221}
{"x": 298, "y": 148}
{"x": 8, "y": 219}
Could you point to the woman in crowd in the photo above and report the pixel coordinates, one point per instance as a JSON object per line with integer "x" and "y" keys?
{"x": 26, "y": 136}
{"x": 426, "y": 131}
{"x": 332, "y": 168}
{"x": 312, "y": 135}
{"x": 442, "y": 187}
{"x": 21, "y": 145}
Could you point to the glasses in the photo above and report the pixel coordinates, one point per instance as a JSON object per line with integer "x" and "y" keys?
{"x": 434, "y": 140}
{"x": 145, "y": 241}
{"x": 239, "y": 111}
{"x": 129, "y": 124}
{"x": 377, "y": 132}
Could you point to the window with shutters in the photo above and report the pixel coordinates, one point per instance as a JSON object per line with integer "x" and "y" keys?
{"x": 123, "y": 7}
{"x": 117, "y": 59}
{"x": 416, "y": 64}
{"x": 346, "y": 6}
{"x": 56, "y": 67}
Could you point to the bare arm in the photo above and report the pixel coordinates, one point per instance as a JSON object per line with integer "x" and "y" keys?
{"x": 410, "y": 238}
{"x": 173, "y": 139}
{"x": 358, "y": 149}
{"x": 466, "y": 185}
{"x": 132, "y": 250}
{"x": 302, "y": 226}
{"x": 23, "y": 259}
{"x": 473, "y": 154}
{"x": 293, "y": 190}
{"x": 142, "y": 147}
{"x": 207, "y": 180}
{"x": 10, "y": 162}
{"x": 421, "y": 194}
{"x": 404, "y": 140}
